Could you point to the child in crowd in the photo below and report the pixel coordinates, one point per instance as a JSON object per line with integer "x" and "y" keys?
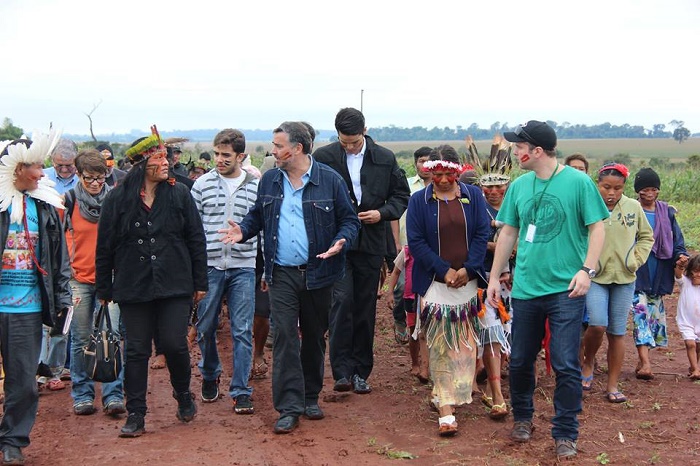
{"x": 687, "y": 275}
{"x": 628, "y": 241}
{"x": 416, "y": 344}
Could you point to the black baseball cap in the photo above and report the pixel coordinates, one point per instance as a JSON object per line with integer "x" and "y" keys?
{"x": 537, "y": 133}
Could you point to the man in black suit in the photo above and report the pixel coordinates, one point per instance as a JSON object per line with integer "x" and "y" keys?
{"x": 380, "y": 193}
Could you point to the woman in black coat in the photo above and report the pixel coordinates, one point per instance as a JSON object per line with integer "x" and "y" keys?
{"x": 151, "y": 260}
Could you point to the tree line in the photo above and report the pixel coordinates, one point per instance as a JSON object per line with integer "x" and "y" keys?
{"x": 565, "y": 130}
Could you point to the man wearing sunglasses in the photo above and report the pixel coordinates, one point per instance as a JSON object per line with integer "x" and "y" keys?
{"x": 556, "y": 214}
{"x": 62, "y": 171}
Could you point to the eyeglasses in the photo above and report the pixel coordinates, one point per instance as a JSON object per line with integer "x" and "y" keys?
{"x": 92, "y": 179}
{"x": 520, "y": 131}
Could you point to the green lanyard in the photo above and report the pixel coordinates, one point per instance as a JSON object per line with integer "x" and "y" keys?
{"x": 539, "y": 201}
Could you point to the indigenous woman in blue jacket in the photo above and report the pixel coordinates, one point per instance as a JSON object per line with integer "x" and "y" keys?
{"x": 655, "y": 277}
{"x": 448, "y": 228}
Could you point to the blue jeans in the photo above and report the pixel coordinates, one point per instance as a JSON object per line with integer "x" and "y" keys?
{"x": 609, "y": 305}
{"x": 239, "y": 287}
{"x": 53, "y": 351}
{"x": 564, "y": 315}
{"x": 20, "y": 341}
{"x": 84, "y": 308}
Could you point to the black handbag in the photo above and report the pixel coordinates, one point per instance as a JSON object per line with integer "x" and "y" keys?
{"x": 103, "y": 355}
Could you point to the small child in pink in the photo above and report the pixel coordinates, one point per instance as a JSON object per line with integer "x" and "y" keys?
{"x": 687, "y": 274}
{"x": 417, "y": 345}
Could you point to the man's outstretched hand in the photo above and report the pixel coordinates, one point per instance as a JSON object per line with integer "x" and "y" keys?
{"x": 232, "y": 234}
{"x": 333, "y": 250}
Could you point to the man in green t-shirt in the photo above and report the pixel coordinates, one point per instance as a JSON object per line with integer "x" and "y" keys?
{"x": 556, "y": 214}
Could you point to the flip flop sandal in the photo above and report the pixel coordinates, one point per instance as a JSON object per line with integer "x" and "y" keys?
{"x": 487, "y": 400}
{"x": 448, "y": 426}
{"x": 259, "y": 371}
{"x": 158, "y": 362}
{"x": 55, "y": 384}
{"x": 499, "y": 411}
{"x": 587, "y": 382}
{"x": 644, "y": 375}
{"x": 400, "y": 336}
{"x": 615, "y": 397}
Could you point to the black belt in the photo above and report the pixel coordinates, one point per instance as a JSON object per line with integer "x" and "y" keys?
{"x": 301, "y": 268}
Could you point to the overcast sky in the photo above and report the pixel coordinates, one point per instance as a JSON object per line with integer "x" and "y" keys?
{"x": 255, "y": 63}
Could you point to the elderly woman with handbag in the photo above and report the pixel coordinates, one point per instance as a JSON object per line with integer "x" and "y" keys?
{"x": 151, "y": 260}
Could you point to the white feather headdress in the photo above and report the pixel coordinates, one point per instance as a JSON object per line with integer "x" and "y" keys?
{"x": 38, "y": 152}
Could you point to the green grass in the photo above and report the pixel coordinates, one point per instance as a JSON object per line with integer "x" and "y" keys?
{"x": 689, "y": 219}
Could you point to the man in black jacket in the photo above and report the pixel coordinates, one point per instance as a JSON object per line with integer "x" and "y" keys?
{"x": 380, "y": 193}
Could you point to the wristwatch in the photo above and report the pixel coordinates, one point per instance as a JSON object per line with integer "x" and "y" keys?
{"x": 590, "y": 272}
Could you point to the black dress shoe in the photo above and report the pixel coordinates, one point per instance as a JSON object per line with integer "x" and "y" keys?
{"x": 286, "y": 424}
{"x": 12, "y": 455}
{"x": 360, "y": 385}
{"x": 342, "y": 385}
{"x": 313, "y": 413}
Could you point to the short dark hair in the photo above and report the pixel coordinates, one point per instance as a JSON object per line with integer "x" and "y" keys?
{"x": 692, "y": 266}
{"x": 298, "y": 134}
{"x": 104, "y": 146}
{"x": 231, "y": 137}
{"x": 90, "y": 160}
{"x": 609, "y": 170}
{"x": 312, "y": 131}
{"x": 445, "y": 152}
{"x": 350, "y": 121}
{"x": 550, "y": 153}
{"x": 577, "y": 156}
{"x": 421, "y": 152}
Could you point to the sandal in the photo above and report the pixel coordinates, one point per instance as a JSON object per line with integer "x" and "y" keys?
{"x": 158, "y": 362}
{"x": 644, "y": 375}
{"x": 55, "y": 384}
{"x": 499, "y": 411}
{"x": 487, "y": 400}
{"x": 259, "y": 370}
{"x": 448, "y": 426}
{"x": 587, "y": 382}
{"x": 615, "y": 397}
{"x": 401, "y": 336}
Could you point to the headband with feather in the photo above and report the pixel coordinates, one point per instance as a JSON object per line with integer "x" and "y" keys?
{"x": 494, "y": 171}
{"x": 38, "y": 151}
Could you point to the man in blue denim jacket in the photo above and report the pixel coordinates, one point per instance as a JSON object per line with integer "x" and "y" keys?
{"x": 304, "y": 209}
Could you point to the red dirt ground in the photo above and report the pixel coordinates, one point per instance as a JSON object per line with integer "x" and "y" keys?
{"x": 659, "y": 425}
